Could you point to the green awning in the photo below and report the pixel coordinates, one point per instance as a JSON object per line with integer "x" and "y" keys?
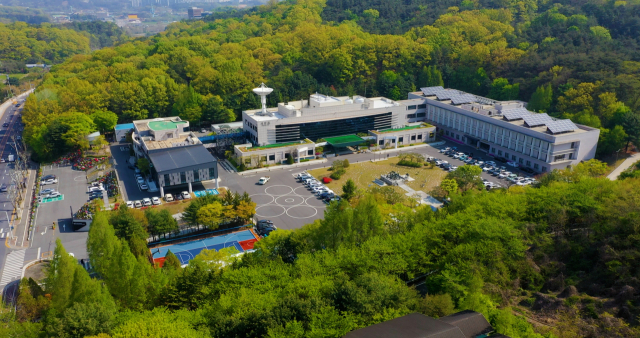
{"x": 344, "y": 141}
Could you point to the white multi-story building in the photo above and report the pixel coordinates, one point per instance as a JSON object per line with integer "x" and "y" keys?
{"x": 507, "y": 129}
{"x": 326, "y": 116}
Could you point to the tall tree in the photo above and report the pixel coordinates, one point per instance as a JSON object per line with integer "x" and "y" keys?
{"x": 104, "y": 120}
{"x": 60, "y": 277}
{"x": 210, "y": 215}
{"x": 541, "y": 99}
{"x": 631, "y": 125}
{"x": 349, "y": 190}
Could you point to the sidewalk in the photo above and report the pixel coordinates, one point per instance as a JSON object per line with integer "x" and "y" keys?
{"x": 624, "y": 166}
{"x": 21, "y": 235}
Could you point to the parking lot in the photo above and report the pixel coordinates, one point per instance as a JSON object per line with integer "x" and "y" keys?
{"x": 72, "y": 185}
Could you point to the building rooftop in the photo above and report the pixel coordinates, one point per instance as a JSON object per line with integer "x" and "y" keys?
{"x": 180, "y": 158}
{"x": 124, "y": 126}
{"x": 164, "y": 125}
{"x": 245, "y": 149}
{"x": 512, "y": 112}
{"x": 414, "y": 325}
{"x": 181, "y": 141}
{"x": 410, "y": 127}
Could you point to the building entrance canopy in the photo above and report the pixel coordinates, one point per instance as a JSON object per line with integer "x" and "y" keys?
{"x": 344, "y": 141}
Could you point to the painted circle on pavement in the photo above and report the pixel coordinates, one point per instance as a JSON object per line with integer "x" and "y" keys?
{"x": 270, "y": 211}
{"x": 278, "y": 190}
{"x": 289, "y": 200}
{"x": 302, "y": 211}
{"x": 315, "y": 202}
{"x": 261, "y": 199}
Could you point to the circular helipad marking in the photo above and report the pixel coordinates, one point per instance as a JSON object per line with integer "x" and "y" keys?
{"x": 301, "y": 212}
{"x": 270, "y": 211}
{"x": 289, "y": 200}
{"x": 313, "y": 201}
{"x": 278, "y": 190}
{"x": 80, "y": 178}
{"x": 303, "y": 192}
{"x": 261, "y": 199}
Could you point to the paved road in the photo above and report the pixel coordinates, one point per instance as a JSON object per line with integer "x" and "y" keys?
{"x": 624, "y": 166}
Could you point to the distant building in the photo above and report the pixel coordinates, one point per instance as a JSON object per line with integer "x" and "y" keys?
{"x": 132, "y": 16}
{"x": 177, "y": 156}
{"x": 465, "y": 324}
{"x": 195, "y": 13}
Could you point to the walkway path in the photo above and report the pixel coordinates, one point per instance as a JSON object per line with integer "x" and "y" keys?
{"x": 12, "y": 267}
{"x": 624, "y": 166}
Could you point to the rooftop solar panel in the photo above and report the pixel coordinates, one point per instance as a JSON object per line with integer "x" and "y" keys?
{"x": 535, "y": 120}
{"x": 464, "y": 98}
{"x": 515, "y": 114}
{"x": 430, "y": 91}
{"x": 561, "y": 126}
{"x": 444, "y": 95}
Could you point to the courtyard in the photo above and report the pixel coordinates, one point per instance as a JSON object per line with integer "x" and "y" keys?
{"x": 363, "y": 174}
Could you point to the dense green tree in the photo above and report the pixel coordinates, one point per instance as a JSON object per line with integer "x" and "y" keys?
{"x": 105, "y": 121}
{"x": 467, "y": 177}
{"x": 631, "y": 124}
{"x": 60, "y": 277}
{"x": 503, "y": 91}
{"x": 349, "y": 190}
{"x": 171, "y": 261}
{"x": 541, "y": 99}
{"x": 210, "y": 215}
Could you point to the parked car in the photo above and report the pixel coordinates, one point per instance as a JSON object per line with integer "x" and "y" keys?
{"x": 504, "y": 174}
{"x": 263, "y": 180}
{"x": 156, "y": 200}
{"x": 47, "y": 177}
{"x": 202, "y": 130}
{"x": 168, "y": 197}
{"x": 129, "y": 204}
{"x": 3, "y": 188}
{"x": 144, "y": 186}
{"x": 53, "y": 195}
{"x": 501, "y": 159}
{"x": 513, "y": 164}
{"x": 453, "y": 168}
{"x": 95, "y": 188}
{"x": 186, "y": 194}
{"x": 263, "y": 228}
{"x": 146, "y": 201}
{"x": 49, "y": 181}
{"x": 5, "y": 124}
{"x": 140, "y": 180}
{"x": 137, "y": 204}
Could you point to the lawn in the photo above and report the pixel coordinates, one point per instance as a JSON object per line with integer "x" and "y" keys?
{"x": 364, "y": 173}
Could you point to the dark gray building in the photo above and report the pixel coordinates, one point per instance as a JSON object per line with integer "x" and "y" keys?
{"x": 177, "y": 156}
{"x": 465, "y": 324}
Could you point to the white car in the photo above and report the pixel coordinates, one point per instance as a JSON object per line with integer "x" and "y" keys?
{"x": 155, "y": 200}
{"x": 137, "y": 204}
{"x": 98, "y": 188}
{"x": 445, "y": 149}
{"x": 144, "y": 186}
{"x": 53, "y": 195}
{"x": 129, "y": 204}
{"x": 140, "y": 180}
{"x": 49, "y": 181}
{"x": 513, "y": 164}
{"x": 479, "y": 164}
{"x": 168, "y": 197}
{"x": 45, "y": 192}
{"x": 491, "y": 163}
{"x": 185, "y": 195}
{"x": 487, "y": 168}
{"x": 504, "y": 174}
{"x": 264, "y": 180}
{"x": 146, "y": 201}
{"x": 453, "y": 168}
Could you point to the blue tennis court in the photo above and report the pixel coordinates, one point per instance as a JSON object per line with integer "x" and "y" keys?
{"x": 201, "y": 193}
{"x": 189, "y": 250}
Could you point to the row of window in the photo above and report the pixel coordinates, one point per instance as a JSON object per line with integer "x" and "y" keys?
{"x": 414, "y": 107}
{"x": 401, "y": 139}
{"x": 183, "y": 177}
{"x": 413, "y": 116}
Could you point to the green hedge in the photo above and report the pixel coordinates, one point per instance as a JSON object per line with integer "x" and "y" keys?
{"x": 410, "y": 164}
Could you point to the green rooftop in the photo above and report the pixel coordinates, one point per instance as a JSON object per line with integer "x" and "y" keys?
{"x": 275, "y": 145}
{"x": 391, "y": 130}
{"x": 344, "y": 141}
{"x": 164, "y": 125}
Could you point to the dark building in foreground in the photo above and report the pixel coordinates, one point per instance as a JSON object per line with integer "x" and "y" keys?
{"x": 465, "y": 324}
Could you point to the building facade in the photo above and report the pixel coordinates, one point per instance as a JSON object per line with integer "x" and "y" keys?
{"x": 326, "y": 116}
{"x": 177, "y": 156}
{"x": 507, "y": 129}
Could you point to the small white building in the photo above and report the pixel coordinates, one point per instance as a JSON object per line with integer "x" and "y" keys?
{"x": 255, "y": 156}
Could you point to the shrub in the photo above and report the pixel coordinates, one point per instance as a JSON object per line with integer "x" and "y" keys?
{"x": 345, "y": 163}
{"x": 408, "y": 163}
{"x": 337, "y": 173}
{"x": 289, "y": 159}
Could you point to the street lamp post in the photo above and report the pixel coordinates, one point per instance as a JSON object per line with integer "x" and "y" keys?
{"x": 617, "y": 152}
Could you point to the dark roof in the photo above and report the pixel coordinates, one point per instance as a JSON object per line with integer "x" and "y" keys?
{"x": 414, "y": 325}
{"x": 470, "y": 322}
{"x": 172, "y": 159}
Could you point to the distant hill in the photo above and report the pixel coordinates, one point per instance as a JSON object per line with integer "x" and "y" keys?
{"x": 10, "y": 14}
